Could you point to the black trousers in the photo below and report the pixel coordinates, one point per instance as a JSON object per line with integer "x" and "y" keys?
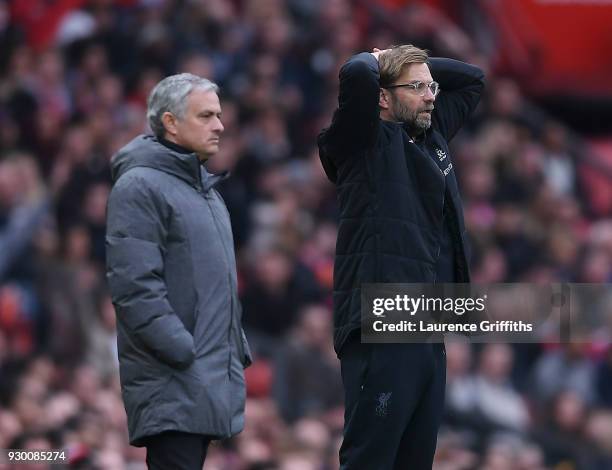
{"x": 176, "y": 450}
{"x": 394, "y": 402}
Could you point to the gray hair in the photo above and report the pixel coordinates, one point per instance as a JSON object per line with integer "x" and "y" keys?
{"x": 170, "y": 95}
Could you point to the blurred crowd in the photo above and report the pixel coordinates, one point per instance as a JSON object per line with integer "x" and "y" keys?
{"x": 73, "y": 87}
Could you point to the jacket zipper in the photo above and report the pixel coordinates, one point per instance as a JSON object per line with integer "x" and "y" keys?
{"x": 227, "y": 260}
{"x": 435, "y": 274}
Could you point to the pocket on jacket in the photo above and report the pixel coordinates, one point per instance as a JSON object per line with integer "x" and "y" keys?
{"x": 247, "y": 356}
{"x": 355, "y": 361}
{"x": 191, "y": 325}
{"x": 366, "y": 359}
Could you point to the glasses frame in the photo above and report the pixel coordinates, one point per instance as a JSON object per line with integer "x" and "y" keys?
{"x": 415, "y": 87}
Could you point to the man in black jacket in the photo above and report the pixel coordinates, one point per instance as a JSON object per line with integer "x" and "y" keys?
{"x": 401, "y": 221}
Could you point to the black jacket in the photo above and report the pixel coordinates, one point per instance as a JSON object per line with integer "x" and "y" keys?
{"x": 172, "y": 276}
{"x": 392, "y": 192}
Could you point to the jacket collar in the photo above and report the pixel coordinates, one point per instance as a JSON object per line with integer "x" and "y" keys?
{"x": 420, "y": 138}
{"x": 147, "y": 151}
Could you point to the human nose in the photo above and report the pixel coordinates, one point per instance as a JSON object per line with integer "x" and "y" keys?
{"x": 219, "y": 127}
{"x": 429, "y": 95}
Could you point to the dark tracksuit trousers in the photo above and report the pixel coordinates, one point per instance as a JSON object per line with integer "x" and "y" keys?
{"x": 394, "y": 401}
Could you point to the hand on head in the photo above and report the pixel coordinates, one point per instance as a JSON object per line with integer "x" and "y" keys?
{"x": 376, "y": 52}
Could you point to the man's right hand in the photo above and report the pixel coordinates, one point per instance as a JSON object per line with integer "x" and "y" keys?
{"x": 376, "y": 52}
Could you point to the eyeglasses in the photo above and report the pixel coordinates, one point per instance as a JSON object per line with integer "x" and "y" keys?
{"x": 420, "y": 88}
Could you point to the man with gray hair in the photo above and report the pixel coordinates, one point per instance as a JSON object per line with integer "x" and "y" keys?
{"x": 172, "y": 275}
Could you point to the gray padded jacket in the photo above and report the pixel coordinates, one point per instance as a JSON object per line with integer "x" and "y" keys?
{"x": 171, "y": 270}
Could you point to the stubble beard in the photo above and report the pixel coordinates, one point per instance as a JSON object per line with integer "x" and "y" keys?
{"x": 416, "y": 120}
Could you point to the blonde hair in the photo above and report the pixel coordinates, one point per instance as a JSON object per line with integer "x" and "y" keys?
{"x": 392, "y": 62}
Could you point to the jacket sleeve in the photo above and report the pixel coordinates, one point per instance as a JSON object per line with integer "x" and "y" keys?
{"x": 354, "y": 123}
{"x": 461, "y": 85}
{"x": 135, "y": 239}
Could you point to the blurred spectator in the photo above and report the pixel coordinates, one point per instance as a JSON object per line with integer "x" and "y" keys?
{"x": 307, "y": 380}
{"x": 459, "y": 400}
{"x": 494, "y": 395}
{"x": 598, "y": 429}
{"x": 279, "y": 286}
{"x": 23, "y": 207}
{"x": 564, "y": 369}
{"x": 562, "y": 437}
{"x": 603, "y": 379}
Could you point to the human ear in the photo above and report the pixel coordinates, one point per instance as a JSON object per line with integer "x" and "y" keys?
{"x": 383, "y": 99}
{"x": 169, "y": 121}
